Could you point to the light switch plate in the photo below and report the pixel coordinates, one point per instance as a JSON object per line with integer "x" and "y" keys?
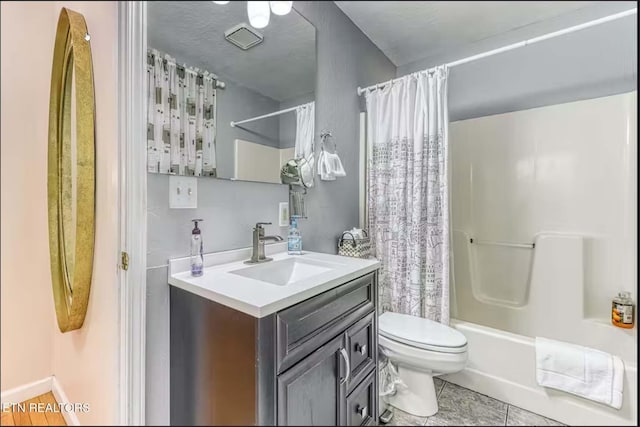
{"x": 283, "y": 214}
{"x": 183, "y": 192}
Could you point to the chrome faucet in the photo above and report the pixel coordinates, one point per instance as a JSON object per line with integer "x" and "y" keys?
{"x": 257, "y": 256}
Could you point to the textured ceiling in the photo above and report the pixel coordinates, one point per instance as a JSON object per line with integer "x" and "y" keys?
{"x": 410, "y": 30}
{"x": 283, "y": 66}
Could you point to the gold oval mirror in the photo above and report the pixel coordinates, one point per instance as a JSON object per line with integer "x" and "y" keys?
{"x": 71, "y": 170}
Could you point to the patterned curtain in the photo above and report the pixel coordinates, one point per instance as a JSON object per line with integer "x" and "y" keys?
{"x": 305, "y": 132}
{"x": 181, "y": 118}
{"x": 408, "y": 198}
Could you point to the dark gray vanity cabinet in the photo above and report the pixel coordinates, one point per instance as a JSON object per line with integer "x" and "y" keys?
{"x": 312, "y": 391}
{"x": 314, "y": 363}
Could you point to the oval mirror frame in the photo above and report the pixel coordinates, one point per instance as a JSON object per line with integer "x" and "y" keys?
{"x": 72, "y": 54}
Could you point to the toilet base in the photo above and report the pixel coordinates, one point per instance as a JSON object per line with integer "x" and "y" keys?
{"x": 419, "y": 396}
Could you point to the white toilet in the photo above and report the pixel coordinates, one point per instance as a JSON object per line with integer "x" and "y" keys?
{"x": 420, "y": 348}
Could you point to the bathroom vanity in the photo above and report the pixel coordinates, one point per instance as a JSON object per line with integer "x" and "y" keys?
{"x": 292, "y": 341}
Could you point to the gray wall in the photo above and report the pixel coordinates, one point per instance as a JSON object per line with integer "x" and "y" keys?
{"x": 346, "y": 59}
{"x": 594, "y": 62}
{"x": 236, "y": 103}
{"x": 288, "y": 120}
{"x": 230, "y": 209}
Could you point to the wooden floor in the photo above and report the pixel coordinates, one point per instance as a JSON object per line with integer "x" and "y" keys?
{"x": 16, "y": 417}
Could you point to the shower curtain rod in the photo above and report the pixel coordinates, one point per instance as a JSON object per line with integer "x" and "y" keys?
{"x": 181, "y": 69}
{"x": 599, "y": 21}
{"x": 275, "y": 113}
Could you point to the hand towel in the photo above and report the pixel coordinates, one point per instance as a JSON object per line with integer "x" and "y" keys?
{"x": 330, "y": 166}
{"x": 334, "y": 164}
{"x": 583, "y": 371}
{"x": 323, "y": 171}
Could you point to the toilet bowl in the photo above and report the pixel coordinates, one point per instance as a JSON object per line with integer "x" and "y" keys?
{"x": 420, "y": 349}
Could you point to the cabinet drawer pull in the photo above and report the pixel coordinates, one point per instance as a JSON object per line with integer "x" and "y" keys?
{"x": 345, "y": 356}
{"x": 362, "y": 411}
{"x": 362, "y": 349}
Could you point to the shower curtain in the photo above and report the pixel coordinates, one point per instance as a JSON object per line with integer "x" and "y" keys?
{"x": 408, "y": 197}
{"x": 305, "y": 131}
{"x": 181, "y": 118}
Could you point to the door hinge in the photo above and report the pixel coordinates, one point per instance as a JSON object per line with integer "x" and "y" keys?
{"x": 124, "y": 261}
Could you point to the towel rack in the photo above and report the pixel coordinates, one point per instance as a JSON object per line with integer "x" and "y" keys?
{"x": 325, "y": 134}
{"x": 514, "y": 245}
{"x": 323, "y": 140}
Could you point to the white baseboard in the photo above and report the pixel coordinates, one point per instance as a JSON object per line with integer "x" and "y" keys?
{"x": 27, "y": 391}
{"x": 36, "y": 388}
{"x": 69, "y": 417}
{"x": 553, "y": 404}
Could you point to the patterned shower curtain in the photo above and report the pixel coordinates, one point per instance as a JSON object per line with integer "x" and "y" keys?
{"x": 181, "y": 118}
{"x": 408, "y": 197}
{"x": 305, "y": 132}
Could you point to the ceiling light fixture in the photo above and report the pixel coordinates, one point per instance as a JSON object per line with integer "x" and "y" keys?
{"x": 281, "y": 7}
{"x": 259, "y": 13}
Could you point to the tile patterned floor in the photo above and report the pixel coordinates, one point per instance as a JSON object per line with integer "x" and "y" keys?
{"x": 459, "y": 406}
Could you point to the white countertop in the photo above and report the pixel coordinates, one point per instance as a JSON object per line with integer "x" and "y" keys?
{"x": 256, "y": 297}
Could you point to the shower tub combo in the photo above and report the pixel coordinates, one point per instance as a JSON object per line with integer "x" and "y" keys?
{"x": 544, "y": 235}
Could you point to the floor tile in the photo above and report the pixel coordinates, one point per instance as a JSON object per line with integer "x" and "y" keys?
{"x": 439, "y": 385}
{"x": 401, "y": 418}
{"x": 520, "y": 417}
{"x": 461, "y": 406}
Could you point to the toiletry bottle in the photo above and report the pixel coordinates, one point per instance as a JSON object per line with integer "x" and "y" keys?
{"x": 622, "y": 311}
{"x": 294, "y": 239}
{"x": 197, "y": 260}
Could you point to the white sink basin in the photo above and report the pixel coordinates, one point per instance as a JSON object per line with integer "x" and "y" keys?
{"x": 260, "y": 290}
{"x": 284, "y": 272}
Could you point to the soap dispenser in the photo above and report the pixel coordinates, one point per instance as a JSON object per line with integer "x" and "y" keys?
{"x": 197, "y": 259}
{"x": 294, "y": 239}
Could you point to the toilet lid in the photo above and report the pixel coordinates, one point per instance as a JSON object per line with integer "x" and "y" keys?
{"x": 420, "y": 332}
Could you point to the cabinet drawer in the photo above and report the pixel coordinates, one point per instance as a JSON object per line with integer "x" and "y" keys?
{"x": 362, "y": 402}
{"x": 305, "y": 326}
{"x": 361, "y": 347}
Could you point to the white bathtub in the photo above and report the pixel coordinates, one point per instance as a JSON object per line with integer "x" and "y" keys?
{"x": 557, "y": 184}
{"x": 549, "y": 300}
{"x": 502, "y": 365}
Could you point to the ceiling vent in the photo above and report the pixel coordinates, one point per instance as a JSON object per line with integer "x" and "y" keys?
{"x": 243, "y": 36}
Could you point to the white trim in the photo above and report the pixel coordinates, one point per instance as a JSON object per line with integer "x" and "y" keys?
{"x": 132, "y": 47}
{"x": 236, "y": 163}
{"x": 364, "y": 158}
{"x": 26, "y": 391}
{"x": 517, "y": 45}
{"x": 29, "y": 391}
{"x": 69, "y": 417}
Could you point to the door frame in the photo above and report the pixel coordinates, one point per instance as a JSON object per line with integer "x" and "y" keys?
{"x": 132, "y": 43}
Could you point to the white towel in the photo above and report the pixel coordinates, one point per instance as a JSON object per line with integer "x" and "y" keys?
{"x": 583, "y": 371}
{"x": 330, "y": 166}
{"x": 324, "y": 173}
